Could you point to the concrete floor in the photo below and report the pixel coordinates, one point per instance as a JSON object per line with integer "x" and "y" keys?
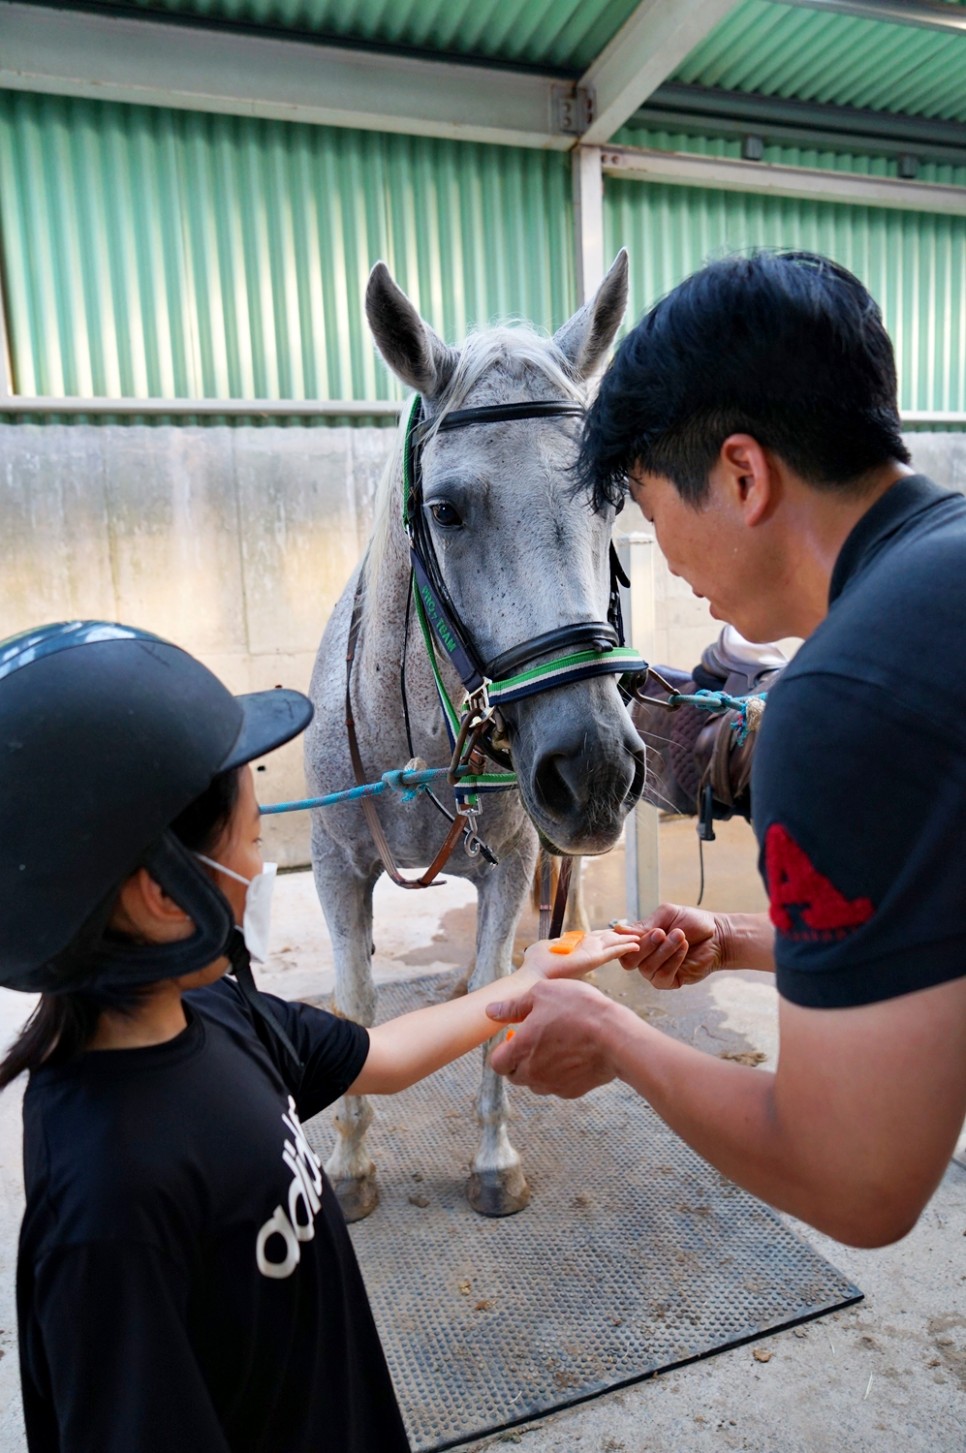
{"x": 884, "y": 1376}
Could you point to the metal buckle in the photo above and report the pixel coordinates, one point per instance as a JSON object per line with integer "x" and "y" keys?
{"x": 651, "y": 675}
{"x": 478, "y": 717}
{"x": 472, "y": 842}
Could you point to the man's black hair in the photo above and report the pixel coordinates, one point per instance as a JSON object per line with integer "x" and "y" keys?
{"x": 786, "y": 346}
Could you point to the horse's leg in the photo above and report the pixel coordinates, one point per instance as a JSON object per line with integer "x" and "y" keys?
{"x": 497, "y": 1185}
{"x": 346, "y": 900}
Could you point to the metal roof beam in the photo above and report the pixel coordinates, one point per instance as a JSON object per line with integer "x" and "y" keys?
{"x": 708, "y": 111}
{"x": 158, "y": 63}
{"x": 650, "y": 44}
{"x": 927, "y": 14}
{"x": 807, "y": 183}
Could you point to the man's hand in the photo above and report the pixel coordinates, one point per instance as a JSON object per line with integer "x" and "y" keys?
{"x": 679, "y": 946}
{"x": 559, "y": 1048}
{"x": 573, "y": 955}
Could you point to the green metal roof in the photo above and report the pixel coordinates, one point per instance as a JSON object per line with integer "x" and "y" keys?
{"x": 765, "y": 48}
{"x": 812, "y": 55}
{"x": 557, "y": 35}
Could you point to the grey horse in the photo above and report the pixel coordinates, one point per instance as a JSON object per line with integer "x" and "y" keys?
{"x": 520, "y": 556}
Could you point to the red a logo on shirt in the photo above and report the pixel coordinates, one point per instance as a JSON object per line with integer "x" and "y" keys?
{"x": 802, "y": 897}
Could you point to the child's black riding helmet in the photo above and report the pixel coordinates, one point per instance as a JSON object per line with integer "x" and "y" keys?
{"x": 106, "y": 734}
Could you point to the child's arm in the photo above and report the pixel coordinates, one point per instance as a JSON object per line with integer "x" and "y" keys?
{"x": 408, "y": 1048}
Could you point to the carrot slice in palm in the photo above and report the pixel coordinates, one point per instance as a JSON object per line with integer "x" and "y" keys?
{"x": 567, "y": 942}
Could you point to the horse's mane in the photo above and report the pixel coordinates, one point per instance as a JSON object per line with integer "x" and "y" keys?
{"x": 515, "y": 346}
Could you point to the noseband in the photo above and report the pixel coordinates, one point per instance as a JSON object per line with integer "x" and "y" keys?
{"x": 580, "y": 650}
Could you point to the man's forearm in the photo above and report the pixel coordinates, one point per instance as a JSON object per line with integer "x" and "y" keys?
{"x": 748, "y": 941}
{"x": 724, "y": 1111}
{"x": 731, "y": 1115}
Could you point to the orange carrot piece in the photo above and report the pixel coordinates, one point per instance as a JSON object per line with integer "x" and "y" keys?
{"x": 567, "y": 942}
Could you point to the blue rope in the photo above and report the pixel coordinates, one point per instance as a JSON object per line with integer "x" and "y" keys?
{"x": 408, "y": 784}
{"x": 722, "y": 701}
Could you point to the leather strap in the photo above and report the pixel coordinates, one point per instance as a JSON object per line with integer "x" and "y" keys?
{"x": 595, "y": 635}
{"x": 552, "y": 914}
{"x": 560, "y": 899}
{"x": 426, "y": 879}
{"x": 507, "y": 413}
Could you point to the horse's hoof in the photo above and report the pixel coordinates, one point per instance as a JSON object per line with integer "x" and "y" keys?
{"x": 358, "y": 1197}
{"x": 498, "y": 1192}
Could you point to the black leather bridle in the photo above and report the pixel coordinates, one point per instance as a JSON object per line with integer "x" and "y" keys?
{"x": 596, "y": 642}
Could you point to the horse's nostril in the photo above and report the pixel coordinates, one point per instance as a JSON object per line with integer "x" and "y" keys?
{"x": 579, "y": 783}
{"x": 554, "y": 784}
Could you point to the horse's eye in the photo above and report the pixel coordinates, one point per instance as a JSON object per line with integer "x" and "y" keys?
{"x": 445, "y": 515}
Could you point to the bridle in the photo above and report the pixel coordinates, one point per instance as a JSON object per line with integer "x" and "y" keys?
{"x": 577, "y": 651}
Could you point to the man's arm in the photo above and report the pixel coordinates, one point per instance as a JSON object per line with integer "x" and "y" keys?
{"x": 852, "y": 1133}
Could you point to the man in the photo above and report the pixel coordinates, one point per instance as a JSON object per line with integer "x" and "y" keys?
{"x": 752, "y": 413}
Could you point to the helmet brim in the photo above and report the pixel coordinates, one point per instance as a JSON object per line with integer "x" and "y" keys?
{"x": 269, "y": 720}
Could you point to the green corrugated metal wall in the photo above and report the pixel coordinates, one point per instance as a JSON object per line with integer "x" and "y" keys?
{"x": 152, "y": 253}
{"x": 914, "y": 263}
{"x": 162, "y": 253}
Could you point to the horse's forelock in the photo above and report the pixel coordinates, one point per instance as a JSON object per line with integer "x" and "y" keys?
{"x": 508, "y": 351}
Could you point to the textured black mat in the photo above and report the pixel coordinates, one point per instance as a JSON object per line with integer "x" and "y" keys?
{"x": 633, "y": 1256}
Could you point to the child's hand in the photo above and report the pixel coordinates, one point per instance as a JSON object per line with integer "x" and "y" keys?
{"x": 575, "y": 954}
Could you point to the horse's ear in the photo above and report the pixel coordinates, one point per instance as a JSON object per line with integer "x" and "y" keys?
{"x": 585, "y": 339}
{"x": 410, "y": 347}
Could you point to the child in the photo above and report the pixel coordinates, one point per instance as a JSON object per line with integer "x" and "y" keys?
{"x": 185, "y": 1277}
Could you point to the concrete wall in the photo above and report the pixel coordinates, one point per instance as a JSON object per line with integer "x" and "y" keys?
{"x": 235, "y": 543}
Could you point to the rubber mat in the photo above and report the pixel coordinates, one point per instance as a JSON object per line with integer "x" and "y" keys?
{"x": 633, "y": 1256}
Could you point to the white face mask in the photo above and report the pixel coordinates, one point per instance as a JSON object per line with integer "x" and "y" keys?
{"x": 258, "y": 905}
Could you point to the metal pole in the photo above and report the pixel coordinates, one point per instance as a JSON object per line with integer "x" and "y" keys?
{"x": 6, "y": 372}
{"x": 641, "y": 846}
{"x": 588, "y": 190}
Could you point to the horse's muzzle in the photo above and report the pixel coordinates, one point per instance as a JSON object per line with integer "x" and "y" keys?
{"x": 582, "y": 783}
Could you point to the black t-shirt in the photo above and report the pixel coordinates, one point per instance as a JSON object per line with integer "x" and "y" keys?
{"x": 186, "y": 1283}
{"x": 859, "y": 778}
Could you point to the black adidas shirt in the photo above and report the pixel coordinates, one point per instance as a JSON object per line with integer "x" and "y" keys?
{"x": 186, "y": 1282}
{"x": 859, "y": 777}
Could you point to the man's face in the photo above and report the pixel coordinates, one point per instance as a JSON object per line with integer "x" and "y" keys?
{"x": 708, "y": 546}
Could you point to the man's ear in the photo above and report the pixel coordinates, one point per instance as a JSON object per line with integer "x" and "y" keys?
{"x": 144, "y": 911}
{"x": 750, "y": 477}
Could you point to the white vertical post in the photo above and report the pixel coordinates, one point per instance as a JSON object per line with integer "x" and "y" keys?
{"x": 588, "y": 190}
{"x": 6, "y": 373}
{"x": 641, "y": 847}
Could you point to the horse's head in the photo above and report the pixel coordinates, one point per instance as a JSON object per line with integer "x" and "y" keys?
{"x": 520, "y": 556}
